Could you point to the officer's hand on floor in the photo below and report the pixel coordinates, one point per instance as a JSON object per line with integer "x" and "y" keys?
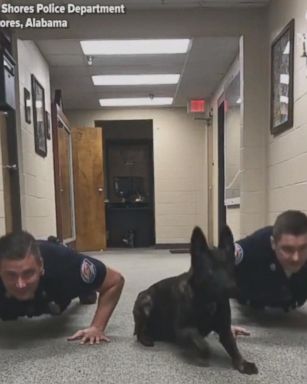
{"x": 91, "y": 335}
{"x": 239, "y": 331}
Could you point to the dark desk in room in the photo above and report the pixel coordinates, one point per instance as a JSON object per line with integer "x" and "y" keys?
{"x": 124, "y": 217}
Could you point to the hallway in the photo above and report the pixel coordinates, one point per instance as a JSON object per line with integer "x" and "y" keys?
{"x": 36, "y": 351}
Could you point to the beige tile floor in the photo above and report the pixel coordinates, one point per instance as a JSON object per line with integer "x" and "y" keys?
{"x": 35, "y": 351}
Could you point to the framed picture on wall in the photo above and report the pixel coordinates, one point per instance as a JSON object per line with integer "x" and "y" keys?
{"x": 282, "y": 60}
{"x": 39, "y": 117}
{"x": 27, "y": 103}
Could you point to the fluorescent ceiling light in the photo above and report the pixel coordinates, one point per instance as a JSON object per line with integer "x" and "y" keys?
{"x": 284, "y": 78}
{"x": 134, "y": 47}
{"x": 135, "y": 79}
{"x": 284, "y": 99}
{"x": 135, "y": 101}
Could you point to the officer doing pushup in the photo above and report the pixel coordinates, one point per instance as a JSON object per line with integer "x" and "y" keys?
{"x": 271, "y": 268}
{"x": 271, "y": 265}
{"x": 40, "y": 277}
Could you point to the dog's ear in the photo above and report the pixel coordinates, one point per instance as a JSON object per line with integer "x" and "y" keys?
{"x": 226, "y": 240}
{"x": 199, "y": 248}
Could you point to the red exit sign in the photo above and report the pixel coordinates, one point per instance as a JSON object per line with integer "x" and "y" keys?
{"x": 197, "y": 105}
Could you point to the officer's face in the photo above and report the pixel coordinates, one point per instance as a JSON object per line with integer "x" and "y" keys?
{"x": 291, "y": 251}
{"x": 21, "y": 277}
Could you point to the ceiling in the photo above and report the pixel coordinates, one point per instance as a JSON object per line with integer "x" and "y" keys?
{"x": 201, "y": 69}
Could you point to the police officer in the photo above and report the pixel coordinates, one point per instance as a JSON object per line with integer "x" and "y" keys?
{"x": 38, "y": 277}
{"x": 271, "y": 264}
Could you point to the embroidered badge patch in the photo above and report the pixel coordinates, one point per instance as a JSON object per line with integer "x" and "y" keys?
{"x": 238, "y": 254}
{"x": 88, "y": 271}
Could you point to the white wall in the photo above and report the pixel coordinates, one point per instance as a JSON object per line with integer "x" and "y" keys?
{"x": 273, "y": 169}
{"x": 287, "y": 152}
{"x": 255, "y": 110}
{"x": 254, "y": 80}
{"x": 36, "y": 172}
{"x": 179, "y": 163}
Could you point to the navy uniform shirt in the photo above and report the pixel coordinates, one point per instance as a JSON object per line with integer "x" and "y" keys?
{"x": 68, "y": 274}
{"x": 260, "y": 277}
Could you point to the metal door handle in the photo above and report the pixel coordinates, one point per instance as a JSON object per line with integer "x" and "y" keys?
{"x": 13, "y": 167}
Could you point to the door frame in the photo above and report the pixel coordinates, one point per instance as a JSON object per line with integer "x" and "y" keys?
{"x": 221, "y": 163}
{"x": 10, "y": 170}
{"x": 10, "y": 163}
{"x": 58, "y": 115}
{"x": 210, "y": 170}
{"x": 149, "y": 141}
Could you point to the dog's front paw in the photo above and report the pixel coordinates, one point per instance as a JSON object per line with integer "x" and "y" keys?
{"x": 147, "y": 341}
{"x": 246, "y": 367}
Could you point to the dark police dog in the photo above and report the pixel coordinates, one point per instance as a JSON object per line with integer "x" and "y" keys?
{"x": 186, "y": 308}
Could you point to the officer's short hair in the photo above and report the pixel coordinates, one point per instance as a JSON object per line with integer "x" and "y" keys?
{"x": 290, "y": 222}
{"x": 17, "y": 245}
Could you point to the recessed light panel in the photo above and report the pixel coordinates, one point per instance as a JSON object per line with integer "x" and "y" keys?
{"x": 135, "y": 79}
{"x": 135, "y": 47}
{"x": 136, "y": 101}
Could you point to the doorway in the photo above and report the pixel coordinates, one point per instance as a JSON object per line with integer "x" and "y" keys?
{"x": 10, "y": 174}
{"x": 129, "y": 182}
{"x": 229, "y": 126}
{"x": 232, "y": 139}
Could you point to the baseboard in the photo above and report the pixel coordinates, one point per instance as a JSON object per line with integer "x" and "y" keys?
{"x": 172, "y": 246}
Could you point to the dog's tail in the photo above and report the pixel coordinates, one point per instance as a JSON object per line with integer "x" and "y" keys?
{"x": 141, "y": 311}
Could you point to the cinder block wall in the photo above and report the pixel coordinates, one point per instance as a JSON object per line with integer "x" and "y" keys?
{"x": 287, "y": 152}
{"x": 36, "y": 172}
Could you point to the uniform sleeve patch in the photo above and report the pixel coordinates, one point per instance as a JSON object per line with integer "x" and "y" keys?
{"x": 239, "y": 253}
{"x": 88, "y": 271}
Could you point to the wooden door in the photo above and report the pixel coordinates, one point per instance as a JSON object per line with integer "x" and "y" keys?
{"x": 89, "y": 189}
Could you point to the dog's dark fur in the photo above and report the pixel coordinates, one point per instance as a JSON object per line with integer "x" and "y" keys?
{"x": 186, "y": 308}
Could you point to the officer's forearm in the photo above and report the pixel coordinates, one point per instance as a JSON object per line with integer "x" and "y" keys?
{"x": 106, "y": 303}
